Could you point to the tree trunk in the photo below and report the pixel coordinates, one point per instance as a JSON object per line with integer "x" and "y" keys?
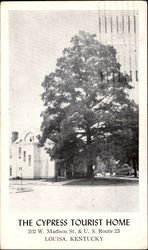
{"x": 56, "y": 171}
{"x": 135, "y": 167}
{"x": 68, "y": 170}
{"x": 89, "y": 171}
{"x": 89, "y": 165}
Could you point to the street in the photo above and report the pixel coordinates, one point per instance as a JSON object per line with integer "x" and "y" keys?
{"x": 56, "y": 197}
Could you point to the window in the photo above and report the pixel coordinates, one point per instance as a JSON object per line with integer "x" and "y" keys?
{"x": 105, "y": 25}
{"x": 10, "y": 154}
{"x": 100, "y": 24}
{"x": 128, "y": 24}
{"x": 136, "y": 75}
{"x": 117, "y": 24}
{"x": 20, "y": 152}
{"x": 134, "y": 24}
{"x": 123, "y": 23}
{"x": 111, "y": 25}
{"x": 10, "y": 171}
{"x": 24, "y": 156}
{"x": 29, "y": 160}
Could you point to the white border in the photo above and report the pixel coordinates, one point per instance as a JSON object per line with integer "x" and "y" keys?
{"x": 139, "y": 227}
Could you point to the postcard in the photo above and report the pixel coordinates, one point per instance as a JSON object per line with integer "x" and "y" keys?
{"x": 73, "y": 125}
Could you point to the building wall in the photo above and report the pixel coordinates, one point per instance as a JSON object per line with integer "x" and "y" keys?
{"x": 37, "y": 162}
{"x": 22, "y": 165}
{"x": 28, "y": 163}
{"x": 48, "y": 165}
{"x": 27, "y": 160}
{"x": 120, "y": 29}
{"x": 13, "y": 161}
{"x": 43, "y": 166}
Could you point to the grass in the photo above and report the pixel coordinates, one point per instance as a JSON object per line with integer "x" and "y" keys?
{"x": 98, "y": 181}
{"x": 102, "y": 182}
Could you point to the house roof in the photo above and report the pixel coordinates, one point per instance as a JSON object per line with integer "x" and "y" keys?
{"x": 29, "y": 135}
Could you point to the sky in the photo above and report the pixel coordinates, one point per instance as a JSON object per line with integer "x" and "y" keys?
{"x": 36, "y": 40}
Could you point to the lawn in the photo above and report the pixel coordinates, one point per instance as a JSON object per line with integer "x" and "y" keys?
{"x": 101, "y": 181}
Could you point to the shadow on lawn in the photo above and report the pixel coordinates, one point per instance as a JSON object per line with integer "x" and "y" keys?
{"x": 102, "y": 182}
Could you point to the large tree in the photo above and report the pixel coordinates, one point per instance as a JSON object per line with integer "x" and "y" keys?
{"x": 122, "y": 142}
{"x": 86, "y": 101}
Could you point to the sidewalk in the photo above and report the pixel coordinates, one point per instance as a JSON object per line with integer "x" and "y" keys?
{"x": 17, "y": 185}
{"x": 19, "y": 189}
{"x": 77, "y": 196}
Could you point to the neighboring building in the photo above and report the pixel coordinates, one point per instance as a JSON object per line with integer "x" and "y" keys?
{"x": 27, "y": 160}
{"x": 120, "y": 29}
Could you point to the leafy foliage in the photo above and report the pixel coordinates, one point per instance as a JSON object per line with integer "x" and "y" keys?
{"x": 88, "y": 110}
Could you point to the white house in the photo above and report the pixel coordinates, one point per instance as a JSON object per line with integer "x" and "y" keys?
{"x": 27, "y": 160}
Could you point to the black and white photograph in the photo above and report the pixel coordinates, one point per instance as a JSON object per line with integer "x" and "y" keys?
{"x": 74, "y": 110}
{"x": 74, "y": 107}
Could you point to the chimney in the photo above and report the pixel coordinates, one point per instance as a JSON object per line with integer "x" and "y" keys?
{"x": 14, "y": 136}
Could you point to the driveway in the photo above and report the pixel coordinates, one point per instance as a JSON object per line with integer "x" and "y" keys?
{"x": 55, "y": 197}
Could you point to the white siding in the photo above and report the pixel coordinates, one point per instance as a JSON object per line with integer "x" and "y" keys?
{"x": 41, "y": 165}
